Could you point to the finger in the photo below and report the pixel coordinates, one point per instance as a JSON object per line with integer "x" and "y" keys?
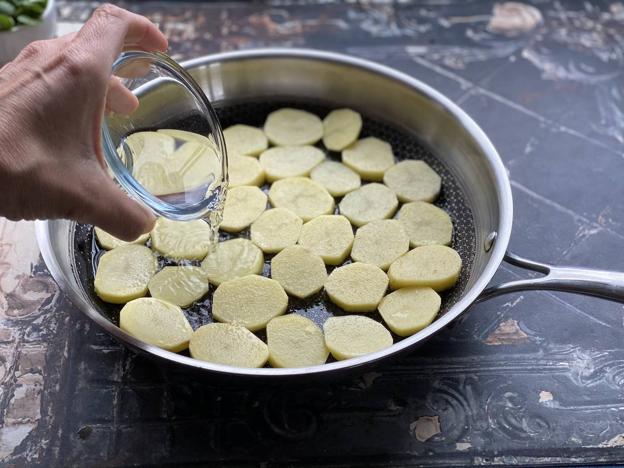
{"x": 120, "y": 99}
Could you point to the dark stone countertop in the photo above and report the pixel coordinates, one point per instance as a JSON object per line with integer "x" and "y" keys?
{"x": 532, "y": 378}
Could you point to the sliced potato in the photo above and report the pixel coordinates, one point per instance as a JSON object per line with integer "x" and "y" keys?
{"x": 245, "y": 170}
{"x": 295, "y": 341}
{"x": 157, "y": 323}
{"x": 124, "y": 272}
{"x": 227, "y": 344}
{"x": 409, "y": 310}
{"x": 435, "y": 266}
{"x": 293, "y": 127}
{"x": 380, "y": 243}
{"x": 276, "y": 229}
{"x": 290, "y": 161}
{"x": 300, "y": 272}
{"x": 341, "y": 128}
{"x": 232, "y": 259}
{"x": 371, "y": 202}
{"x": 185, "y": 135}
{"x": 108, "y": 241}
{"x": 413, "y": 181}
{"x": 245, "y": 140}
{"x": 426, "y": 224}
{"x": 302, "y": 196}
{"x": 354, "y": 335}
{"x": 243, "y": 206}
{"x": 369, "y": 157}
{"x": 179, "y": 285}
{"x": 329, "y": 236}
{"x": 357, "y": 287}
{"x": 250, "y": 301}
{"x": 337, "y": 178}
{"x": 182, "y": 239}
{"x": 149, "y": 145}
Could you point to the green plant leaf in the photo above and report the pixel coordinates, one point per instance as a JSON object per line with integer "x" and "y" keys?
{"x": 34, "y": 10}
{"x": 6, "y": 8}
{"x": 6, "y": 22}
{"x": 27, "y": 20}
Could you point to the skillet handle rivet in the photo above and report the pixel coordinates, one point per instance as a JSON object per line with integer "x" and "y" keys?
{"x": 489, "y": 241}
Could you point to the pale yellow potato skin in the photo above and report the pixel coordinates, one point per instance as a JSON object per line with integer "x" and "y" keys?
{"x": 337, "y": 178}
{"x": 227, "y": 344}
{"x": 232, "y": 259}
{"x": 408, "y": 310}
{"x": 108, "y": 241}
{"x": 293, "y": 127}
{"x": 182, "y": 239}
{"x": 295, "y": 341}
{"x": 370, "y": 157}
{"x": 426, "y": 224}
{"x": 282, "y": 162}
{"x": 243, "y": 206}
{"x": 371, "y": 202}
{"x": 157, "y": 323}
{"x": 124, "y": 273}
{"x": 179, "y": 285}
{"x": 352, "y": 336}
{"x": 413, "y": 181}
{"x": 357, "y": 287}
{"x": 300, "y": 272}
{"x": 245, "y": 170}
{"x": 435, "y": 266}
{"x": 302, "y": 196}
{"x": 245, "y": 140}
{"x": 276, "y": 229}
{"x": 250, "y": 301}
{"x": 380, "y": 243}
{"x": 341, "y": 128}
{"x": 329, "y": 236}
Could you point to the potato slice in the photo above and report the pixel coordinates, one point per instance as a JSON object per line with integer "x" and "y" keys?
{"x": 245, "y": 140}
{"x": 290, "y": 161}
{"x": 426, "y": 224}
{"x": 187, "y": 136}
{"x": 329, "y": 236}
{"x": 243, "y": 206}
{"x": 302, "y": 196}
{"x": 245, "y": 170}
{"x": 227, "y": 344}
{"x": 157, "y": 323}
{"x": 276, "y": 229}
{"x": 369, "y": 157}
{"x": 124, "y": 272}
{"x": 413, "y": 181}
{"x": 357, "y": 287}
{"x": 293, "y": 127}
{"x": 354, "y": 335}
{"x": 108, "y": 241}
{"x": 232, "y": 259}
{"x": 371, "y": 202}
{"x": 341, "y": 128}
{"x": 149, "y": 145}
{"x": 409, "y": 310}
{"x": 182, "y": 239}
{"x": 380, "y": 243}
{"x": 436, "y": 266}
{"x": 295, "y": 341}
{"x": 250, "y": 301}
{"x": 337, "y": 178}
{"x": 300, "y": 272}
{"x": 179, "y": 285}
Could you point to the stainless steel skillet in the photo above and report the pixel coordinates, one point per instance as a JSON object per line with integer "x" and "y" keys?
{"x": 418, "y": 121}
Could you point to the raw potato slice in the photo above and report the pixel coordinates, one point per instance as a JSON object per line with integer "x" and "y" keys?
{"x": 357, "y": 287}
{"x": 300, "y": 272}
{"x": 329, "y": 236}
{"x": 230, "y": 345}
{"x": 302, "y": 196}
{"x": 232, "y": 259}
{"x": 337, "y": 178}
{"x": 149, "y": 145}
{"x": 436, "y": 266}
{"x": 245, "y": 170}
{"x": 276, "y": 229}
{"x": 341, "y": 128}
{"x": 250, "y": 301}
{"x": 354, "y": 335}
{"x": 409, "y": 310}
{"x": 157, "y": 323}
{"x": 290, "y": 161}
{"x": 124, "y": 272}
{"x": 380, "y": 243}
{"x": 182, "y": 239}
{"x": 426, "y": 224}
{"x": 243, "y": 205}
{"x": 371, "y": 202}
{"x": 413, "y": 181}
{"x": 108, "y": 241}
{"x": 187, "y": 136}
{"x": 295, "y": 341}
{"x": 243, "y": 139}
{"x": 369, "y": 157}
{"x": 179, "y": 285}
{"x": 293, "y": 127}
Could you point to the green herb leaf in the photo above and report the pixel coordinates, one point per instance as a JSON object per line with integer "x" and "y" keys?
{"x": 27, "y": 20}
{"x": 6, "y": 22}
{"x": 34, "y": 10}
{"x": 6, "y": 8}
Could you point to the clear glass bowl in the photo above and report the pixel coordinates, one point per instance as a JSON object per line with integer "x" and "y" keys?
{"x": 169, "y": 152}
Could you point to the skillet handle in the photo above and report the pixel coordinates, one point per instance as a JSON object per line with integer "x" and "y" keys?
{"x": 600, "y": 283}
